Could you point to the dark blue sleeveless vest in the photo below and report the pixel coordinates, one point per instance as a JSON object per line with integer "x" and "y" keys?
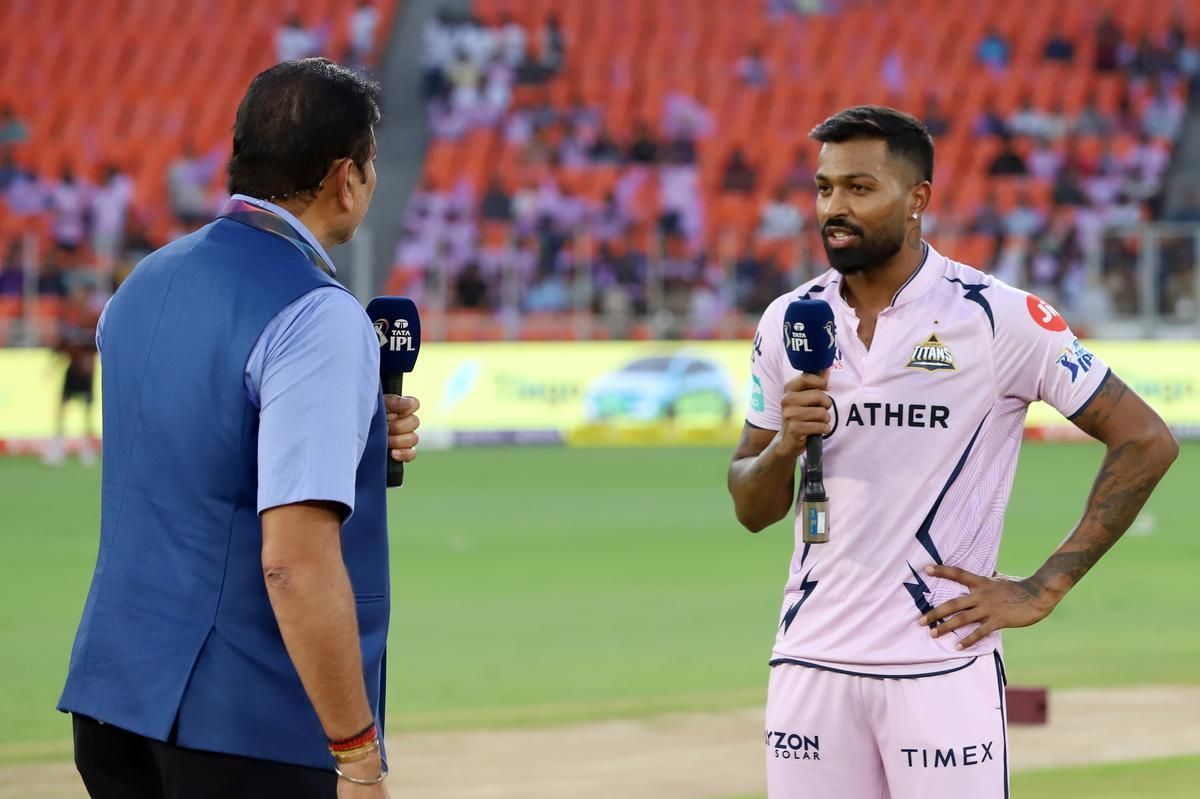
{"x": 178, "y": 640}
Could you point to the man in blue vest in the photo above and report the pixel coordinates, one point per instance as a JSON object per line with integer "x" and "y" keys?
{"x": 232, "y": 642}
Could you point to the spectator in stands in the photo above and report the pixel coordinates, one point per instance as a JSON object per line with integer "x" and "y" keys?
{"x": 363, "y": 24}
{"x": 988, "y": 220}
{"x": 1092, "y": 120}
{"x": 752, "y": 69}
{"x": 26, "y": 195}
{"x": 470, "y": 289}
{"x": 611, "y": 223}
{"x": 990, "y": 122}
{"x": 497, "y": 90}
{"x": 466, "y": 83}
{"x": 1008, "y": 161}
{"x": 993, "y": 51}
{"x": 511, "y": 41}
{"x": 553, "y": 45}
{"x": 69, "y": 210}
{"x": 496, "y": 203}
{"x": 1148, "y": 60}
{"x": 13, "y": 129}
{"x": 548, "y": 294}
{"x": 1059, "y": 48}
{"x": 935, "y": 120}
{"x": 1068, "y": 190}
{"x": 1011, "y": 262}
{"x": 604, "y": 149}
{"x": 1024, "y": 219}
{"x": 1163, "y": 117}
{"x": 1108, "y": 44}
{"x": 9, "y": 171}
{"x": 188, "y": 179}
{"x": 50, "y": 279}
{"x": 12, "y": 271}
{"x": 799, "y": 176}
{"x": 110, "y": 204}
{"x": 294, "y": 41}
{"x": 679, "y": 199}
{"x": 738, "y": 175}
{"x": 644, "y": 147}
{"x": 781, "y": 219}
{"x": 891, "y": 72}
{"x": 680, "y": 149}
{"x": 1044, "y": 160}
{"x": 1034, "y": 122}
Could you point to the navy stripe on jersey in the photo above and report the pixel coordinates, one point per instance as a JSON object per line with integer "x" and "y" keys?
{"x": 1088, "y": 401}
{"x": 1000, "y": 682}
{"x": 823, "y": 667}
{"x": 923, "y": 534}
{"x": 974, "y": 293}
{"x": 807, "y": 586}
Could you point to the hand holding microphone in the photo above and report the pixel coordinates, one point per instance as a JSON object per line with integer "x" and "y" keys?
{"x": 809, "y": 338}
{"x": 805, "y": 407}
{"x": 398, "y": 327}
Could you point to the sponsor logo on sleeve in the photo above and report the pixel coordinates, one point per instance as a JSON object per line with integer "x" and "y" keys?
{"x": 756, "y": 350}
{"x": 1044, "y": 315}
{"x": 932, "y": 355}
{"x": 1076, "y": 360}
{"x": 756, "y": 394}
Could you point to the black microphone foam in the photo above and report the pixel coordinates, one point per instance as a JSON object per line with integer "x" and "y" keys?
{"x": 809, "y": 335}
{"x": 398, "y": 327}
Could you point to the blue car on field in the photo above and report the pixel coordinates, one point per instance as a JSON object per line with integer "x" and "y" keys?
{"x": 679, "y": 386}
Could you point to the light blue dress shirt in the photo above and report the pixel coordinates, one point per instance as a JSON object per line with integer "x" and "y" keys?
{"x": 314, "y": 376}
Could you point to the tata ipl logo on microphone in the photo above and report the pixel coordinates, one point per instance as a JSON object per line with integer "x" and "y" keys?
{"x": 394, "y": 335}
{"x": 795, "y": 337}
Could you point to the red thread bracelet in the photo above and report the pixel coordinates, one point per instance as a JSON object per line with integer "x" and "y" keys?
{"x": 355, "y": 741}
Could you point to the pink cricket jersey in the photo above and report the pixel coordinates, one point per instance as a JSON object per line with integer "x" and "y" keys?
{"x": 920, "y": 463}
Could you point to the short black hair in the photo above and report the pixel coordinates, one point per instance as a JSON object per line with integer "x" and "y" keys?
{"x": 906, "y": 136}
{"x": 296, "y": 119}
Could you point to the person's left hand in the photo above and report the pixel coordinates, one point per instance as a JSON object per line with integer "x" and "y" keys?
{"x": 402, "y": 426}
{"x": 994, "y": 603}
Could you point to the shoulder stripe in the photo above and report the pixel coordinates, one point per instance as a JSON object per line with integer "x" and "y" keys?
{"x": 974, "y": 293}
{"x": 1094, "y": 394}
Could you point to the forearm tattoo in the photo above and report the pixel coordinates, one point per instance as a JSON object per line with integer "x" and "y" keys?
{"x": 1121, "y": 488}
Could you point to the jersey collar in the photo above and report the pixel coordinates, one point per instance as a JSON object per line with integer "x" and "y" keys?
{"x": 932, "y": 265}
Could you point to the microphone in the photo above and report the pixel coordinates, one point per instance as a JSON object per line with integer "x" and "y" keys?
{"x": 398, "y": 326}
{"x": 809, "y": 337}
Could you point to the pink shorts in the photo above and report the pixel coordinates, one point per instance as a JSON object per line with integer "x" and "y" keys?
{"x": 835, "y": 735}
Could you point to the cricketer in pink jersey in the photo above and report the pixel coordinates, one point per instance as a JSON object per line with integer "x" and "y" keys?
{"x": 886, "y": 674}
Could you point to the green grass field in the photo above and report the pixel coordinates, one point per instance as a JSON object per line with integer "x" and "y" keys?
{"x": 546, "y": 586}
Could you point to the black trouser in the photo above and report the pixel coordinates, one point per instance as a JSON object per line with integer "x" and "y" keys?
{"x": 117, "y": 764}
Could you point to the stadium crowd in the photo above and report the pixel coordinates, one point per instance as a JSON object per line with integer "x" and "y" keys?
{"x": 577, "y": 216}
{"x": 548, "y": 189}
{"x": 68, "y": 237}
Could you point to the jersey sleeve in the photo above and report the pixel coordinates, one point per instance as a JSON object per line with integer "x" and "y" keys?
{"x": 767, "y": 373}
{"x": 1039, "y": 358}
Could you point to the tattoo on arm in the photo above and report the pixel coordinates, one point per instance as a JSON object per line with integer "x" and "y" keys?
{"x": 1101, "y": 407}
{"x": 914, "y": 237}
{"x": 1121, "y": 488}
